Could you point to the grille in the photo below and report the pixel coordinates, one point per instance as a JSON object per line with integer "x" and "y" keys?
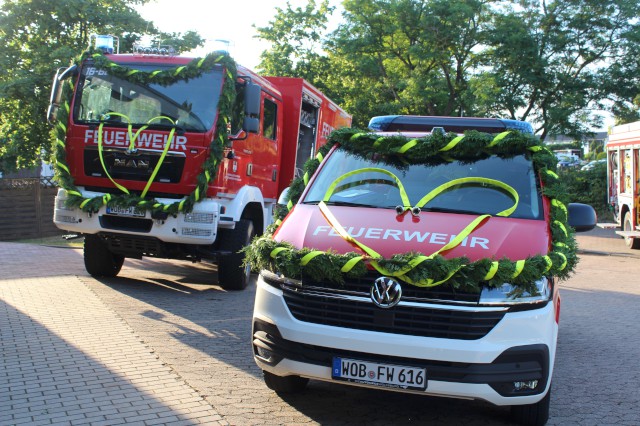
{"x": 137, "y": 167}
{"x": 134, "y": 246}
{"x": 351, "y": 307}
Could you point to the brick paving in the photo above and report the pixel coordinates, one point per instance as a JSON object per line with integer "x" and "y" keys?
{"x": 67, "y": 358}
{"x": 76, "y": 350}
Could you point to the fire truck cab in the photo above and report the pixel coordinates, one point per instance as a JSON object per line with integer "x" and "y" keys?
{"x": 163, "y": 131}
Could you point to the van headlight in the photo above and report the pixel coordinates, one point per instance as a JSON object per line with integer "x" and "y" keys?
{"x": 276, "y": 280}
{"x": 503, "y": 295}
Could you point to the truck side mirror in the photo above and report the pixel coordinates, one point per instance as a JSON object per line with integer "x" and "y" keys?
{"x": 582, "y": 217}
{"x": 251, "y": 124}
{"x": 56, "y": 91}
{"x": 252, "y": 94}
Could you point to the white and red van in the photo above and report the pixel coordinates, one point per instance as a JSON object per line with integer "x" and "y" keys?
{"x": 460, "y": 336}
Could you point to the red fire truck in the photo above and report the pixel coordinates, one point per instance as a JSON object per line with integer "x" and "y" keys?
{"x": 623, "y": 175}
{"x": 155, "y": 158}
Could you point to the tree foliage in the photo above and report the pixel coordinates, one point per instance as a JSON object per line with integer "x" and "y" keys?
{"x": 555, "y": 63}
{"x": 39, "y": 36}
{"x": 296, "y": 40}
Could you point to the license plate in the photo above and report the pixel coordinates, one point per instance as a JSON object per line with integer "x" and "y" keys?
{"x": 379, "y": 374}
{"x": 125, "y": 211}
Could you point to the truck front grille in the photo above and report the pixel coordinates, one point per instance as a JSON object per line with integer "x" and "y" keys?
{"x": 136, "y": 167}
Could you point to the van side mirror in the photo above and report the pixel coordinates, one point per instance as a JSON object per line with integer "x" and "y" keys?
{"x": 56, "y": 91}
{"x": 284, "y": 197}
{"x": 582, "y": 217}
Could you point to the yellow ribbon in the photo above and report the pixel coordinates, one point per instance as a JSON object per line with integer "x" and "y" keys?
{"x": 473, "y": 180}
{"x": 403, "y": 193}
{"x": 132, "y": 143}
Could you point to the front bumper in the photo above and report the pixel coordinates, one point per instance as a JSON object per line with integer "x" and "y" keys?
{"x": 520, "y": 348}
{"x": 197, "y": 227}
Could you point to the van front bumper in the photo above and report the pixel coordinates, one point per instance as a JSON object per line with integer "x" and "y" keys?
{"x": 520, "y": 349}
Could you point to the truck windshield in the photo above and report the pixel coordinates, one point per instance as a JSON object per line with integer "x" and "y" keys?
{"x": 190, "y": 104}
{"x": 369, "y": 188}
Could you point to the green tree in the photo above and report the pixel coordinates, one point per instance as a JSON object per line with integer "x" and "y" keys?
{"x": 555, "y": 63}
{"x": 552, "y": 61}
{"x": 407, "y": 56}
{"x": 295, "y": 36}
{"x": 39, "y": 36}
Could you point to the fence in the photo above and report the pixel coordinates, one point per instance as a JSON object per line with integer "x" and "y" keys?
{"x": 26, "y": 209}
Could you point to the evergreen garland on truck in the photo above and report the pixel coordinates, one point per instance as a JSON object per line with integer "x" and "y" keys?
{"x": 417, "y": 268}
{"x": 164, "y": 76}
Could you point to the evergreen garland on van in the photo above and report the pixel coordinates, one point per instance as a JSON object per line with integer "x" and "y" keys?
{"x": 162, "y": 76}
{"x": 283, "y": 258}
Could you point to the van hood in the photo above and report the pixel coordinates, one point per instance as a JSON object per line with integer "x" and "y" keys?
{"x": 388, "y": 233}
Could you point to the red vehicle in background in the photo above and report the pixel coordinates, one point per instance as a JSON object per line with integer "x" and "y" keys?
{"x": 623, "y": 180}
{"x": 149, "y": 138}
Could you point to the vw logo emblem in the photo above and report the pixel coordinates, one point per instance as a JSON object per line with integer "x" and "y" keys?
{"x": 386, "y": 292}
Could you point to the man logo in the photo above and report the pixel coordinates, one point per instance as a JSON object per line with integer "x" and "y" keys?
{"x": 131, "y": 164}
{"x": 385, "y": 292}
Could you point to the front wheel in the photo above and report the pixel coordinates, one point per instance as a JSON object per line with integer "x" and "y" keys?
{"x": 532, "y": 414}
{"x": 232, "y": 275}
{"x": 632, "y": 243}
{"x": 98, "y": 260}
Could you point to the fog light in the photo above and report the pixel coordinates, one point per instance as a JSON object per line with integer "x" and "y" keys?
{"x": 263, "y": 353}
{"x": 522, "y": 386}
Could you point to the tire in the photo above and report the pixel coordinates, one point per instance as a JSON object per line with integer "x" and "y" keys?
{"x": 98, "y": 260}
{"x": 232, "y": 275}
{"x": 632, "y": 243}
{"x": 532, "y": 414}
{"x": 286, "y": 384}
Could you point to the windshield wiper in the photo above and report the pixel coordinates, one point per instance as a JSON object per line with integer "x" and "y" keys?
{"x": 349, "y": 204}
{"x": 180, "y": 129}
{"x": 450, "y": 210}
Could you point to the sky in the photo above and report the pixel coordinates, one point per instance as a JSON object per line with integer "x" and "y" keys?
{"x": 227, "y": 20}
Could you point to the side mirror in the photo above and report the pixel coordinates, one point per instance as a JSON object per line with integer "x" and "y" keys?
{"x": 56, "y": 91}
{"x": 582, "y": 217}
{"x": 251, "y": 124}
{"x": 252, "y": 93}
{"x": 284, "y": 197}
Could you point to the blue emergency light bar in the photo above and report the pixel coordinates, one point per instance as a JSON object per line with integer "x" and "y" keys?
{"x": 420, "y": 123}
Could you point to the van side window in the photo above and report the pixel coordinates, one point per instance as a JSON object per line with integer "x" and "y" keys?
{"x": 270, "y": 119}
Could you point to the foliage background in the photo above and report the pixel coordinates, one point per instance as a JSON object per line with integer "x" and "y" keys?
{"x": 557, "y": 64}
{"x": 39, "y": 36}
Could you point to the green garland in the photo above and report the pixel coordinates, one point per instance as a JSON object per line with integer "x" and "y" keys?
{"x": 166, "y": 76}
{"x": 461, "y": 273}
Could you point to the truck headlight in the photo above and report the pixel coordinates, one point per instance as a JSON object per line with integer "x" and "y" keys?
{"x": 503, "y": 295}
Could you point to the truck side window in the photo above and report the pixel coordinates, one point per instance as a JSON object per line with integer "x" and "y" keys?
{"x": 270, "y": 121}
{"x": 237, "y": 113}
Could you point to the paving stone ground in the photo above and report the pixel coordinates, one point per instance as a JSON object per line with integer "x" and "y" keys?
{"x": 67, "y": 358}
{"x": 76, "y": 350}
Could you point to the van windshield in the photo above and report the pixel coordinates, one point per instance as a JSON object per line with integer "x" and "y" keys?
{"x": 190, "y": 104}
{"x": 369, "y": 188}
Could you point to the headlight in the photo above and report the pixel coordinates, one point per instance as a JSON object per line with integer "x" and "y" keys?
{"x": 502, "y": 295}
{"x": 277, "y": 280}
